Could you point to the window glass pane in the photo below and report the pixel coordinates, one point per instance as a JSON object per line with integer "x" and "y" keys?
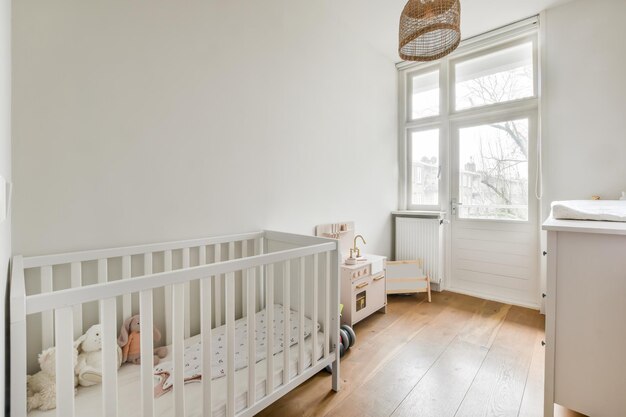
{"x": 425, "y": 95}
{"x": 425, "y": 167}
{"x": 495, "y": 78}
{"x": 493, "y": 182}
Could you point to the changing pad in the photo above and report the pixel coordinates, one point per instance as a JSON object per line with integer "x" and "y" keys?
{"x": 602, "y": 210}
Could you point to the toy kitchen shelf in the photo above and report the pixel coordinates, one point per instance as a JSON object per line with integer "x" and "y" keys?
{"x": 363, "y": 289}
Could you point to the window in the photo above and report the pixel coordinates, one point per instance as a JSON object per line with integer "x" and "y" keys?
{"x": 424, "y": 95}
{"x": 498, "y": 77}
{"x": 493, "y": 171}
{"x": 425, "y": 167}
{"x": 468, "y": 127}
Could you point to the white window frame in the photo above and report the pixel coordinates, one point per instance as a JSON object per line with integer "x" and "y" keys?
{"x": 449, "y": 118}
{"x": 410, "y": 165}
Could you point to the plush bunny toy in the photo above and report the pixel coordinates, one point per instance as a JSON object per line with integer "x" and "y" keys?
{"x": 129, "y": 341}
{"x": 89, "y": 366}
{"x": 41, "y": 387}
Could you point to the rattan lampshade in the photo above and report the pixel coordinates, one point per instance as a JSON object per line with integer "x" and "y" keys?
{"x": 429, "y": 29}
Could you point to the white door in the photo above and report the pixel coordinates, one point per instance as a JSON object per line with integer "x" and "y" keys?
{"x": 469, "y": 126}
{"x": 493, "y": 208}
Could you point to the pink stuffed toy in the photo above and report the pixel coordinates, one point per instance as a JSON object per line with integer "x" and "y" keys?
{"x": 129, "y": 341}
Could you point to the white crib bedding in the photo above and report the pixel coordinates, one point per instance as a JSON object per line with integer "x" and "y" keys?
{"x": 88, "y": 400}
{"x": 193, "y": 363}
{"x": 601, "y": 210}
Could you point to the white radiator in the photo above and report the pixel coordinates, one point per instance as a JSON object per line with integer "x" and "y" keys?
{"x": 421, "y": 238}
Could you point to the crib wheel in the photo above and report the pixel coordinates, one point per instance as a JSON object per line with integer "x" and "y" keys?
{"x": 345, "y": 339}
{"x": 329, "y": 369}
{"x": 351, "y": 334}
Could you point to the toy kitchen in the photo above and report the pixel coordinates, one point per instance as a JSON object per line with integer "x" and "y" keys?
{"x": 363, "y": 283}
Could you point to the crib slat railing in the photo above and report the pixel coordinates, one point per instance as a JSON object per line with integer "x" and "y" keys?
{"x": 251, "y": 321}
{"x": 230, "y": 344}
{"x": 90, "y": 255}
{"x": 231, "y": 250}
{"x": 18, "y": 338}
{"x": 269, "y": 328}
{"x": 334, "y": 318}
{"x": 47, "y": 317}
{"x": 301, "y": 308}
{"x": 230, "y": 257}
{"x": 76, "y": 281}
{"x": 286, "y": 320}
{"x": 202, "y": 255}
{"x": 218, "y": 287}
{"x": 265, "y": 264}
{"x": 178, "y": 347}
{"x": 108, "y": 318}
{"x": 167, "y": 266}
{"x": 205, "y": 331}
{"x": 63, "y": 326}
{"x": 103, "y": 277}
{"x": 126, "y": 298}
{"x": 103, "y": 271}
{"x": 259, "y": 247}
{"x": 314, "y": 354}
{"x": 187, "y": 295}
{"x": 327, "y": 307}
{"x": 244, "y": 281}
{"x": 61, "y": 298}
{"x": 147, "y": 323}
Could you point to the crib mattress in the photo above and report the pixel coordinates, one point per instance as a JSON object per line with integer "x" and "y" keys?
{"x": 601, "y": 210}
{"x": 88, "y": 400}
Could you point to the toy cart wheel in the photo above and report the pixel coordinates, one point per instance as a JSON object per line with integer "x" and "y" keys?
{"x": 351, "y": 334}
{"x": 345, "y": 338}
{"x": 342, "y": 349}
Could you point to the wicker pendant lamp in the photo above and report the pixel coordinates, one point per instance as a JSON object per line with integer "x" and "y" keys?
{"x": 429, "y": 29}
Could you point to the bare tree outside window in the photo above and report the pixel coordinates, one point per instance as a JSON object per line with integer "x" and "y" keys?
{"x": 493, "y": 181}
{"x": 493, "y": 157}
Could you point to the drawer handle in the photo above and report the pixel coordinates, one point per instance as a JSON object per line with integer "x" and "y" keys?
{"x": 363, "y": 285}
{"x": 378, "y": 278}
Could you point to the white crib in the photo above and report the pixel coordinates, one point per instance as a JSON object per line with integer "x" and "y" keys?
{"x": 203, "y": 284}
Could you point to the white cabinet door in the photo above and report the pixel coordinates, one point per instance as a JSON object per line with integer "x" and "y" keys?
{"x": 590, "y": 328}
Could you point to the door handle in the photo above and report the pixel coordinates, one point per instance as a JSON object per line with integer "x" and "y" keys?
{"x": 454, "y": 204}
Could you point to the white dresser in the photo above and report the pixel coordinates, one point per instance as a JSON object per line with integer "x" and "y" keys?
{"x": 363, "y": 289}
{"x": 586, "y": 317}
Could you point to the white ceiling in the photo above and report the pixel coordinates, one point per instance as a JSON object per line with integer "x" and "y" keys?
{"x": 377, "y": 20}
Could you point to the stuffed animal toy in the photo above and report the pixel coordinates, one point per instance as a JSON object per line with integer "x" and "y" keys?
{"x": 623, "y": 197}
{"x": 129, "y": 341}
{"x": 41, "y": 387}
{"x": 89, "y": 362}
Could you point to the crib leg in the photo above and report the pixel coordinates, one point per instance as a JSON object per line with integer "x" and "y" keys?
{"x": 336, "y": 380}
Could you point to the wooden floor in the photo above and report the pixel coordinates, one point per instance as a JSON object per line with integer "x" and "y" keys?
{"x": 458, "y": 356}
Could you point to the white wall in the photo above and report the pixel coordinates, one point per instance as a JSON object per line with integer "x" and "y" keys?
{"x": 584, "y": 123}
{"x": 5, "y": 171}
{"x": 584, "y": 85}
{"x": 137, "y": 122}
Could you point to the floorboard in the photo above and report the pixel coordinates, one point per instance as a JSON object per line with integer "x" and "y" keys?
{"x": 457, "y": 356}
{"x": 499, "y": 386}
{"x": 443, "y": 388}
